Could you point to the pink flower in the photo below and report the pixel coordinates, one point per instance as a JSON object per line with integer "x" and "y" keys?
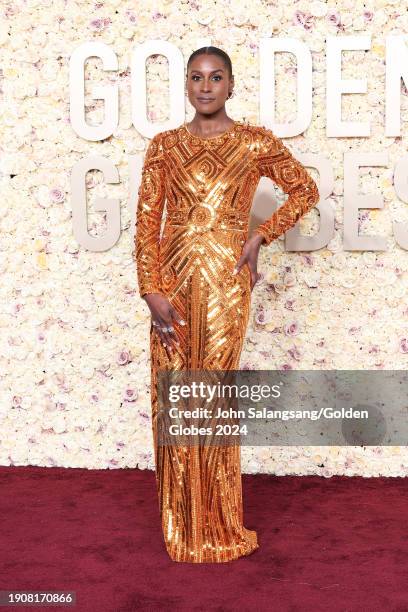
{"x": 295, "y": 353}
{"x": 362, "y": 217}
{"x": 289, "y": 279}
{"x": 404, "y": 345}
{"x": 291, "y": 329}
{"x": 308, "y": 259}
{"x": 131, "y": 16}
{"x": 303, "y": 19}
{"x": 286, "y": 366}
{"x": 334, "y": 18}
{"x": 368, "y": 15}
{"x": 130, "y": 395}
{"x": 57, "y": 195}
{"x": 123, "y": 358}
{"x": 97, "y": 24}
{"x": 260, "y": 318}
{"x": 9, "y": 11}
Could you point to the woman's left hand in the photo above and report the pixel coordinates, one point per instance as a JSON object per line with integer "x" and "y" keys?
{"x": 250, "y": 252}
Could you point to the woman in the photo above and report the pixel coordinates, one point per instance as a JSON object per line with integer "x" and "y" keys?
{"x": 198, "y": 287}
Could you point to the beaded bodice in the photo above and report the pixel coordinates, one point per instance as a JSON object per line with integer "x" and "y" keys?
{"x": 209, "y": 185}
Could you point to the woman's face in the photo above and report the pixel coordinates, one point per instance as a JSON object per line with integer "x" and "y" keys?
{"x": 208, "y": 83}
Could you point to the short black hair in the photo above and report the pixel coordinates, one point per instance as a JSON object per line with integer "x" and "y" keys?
{"x": 212, "y": 51}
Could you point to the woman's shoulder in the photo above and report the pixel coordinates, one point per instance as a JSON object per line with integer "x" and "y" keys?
{"x": 259, "y": 136}
{"x": 259, "y": 133}
{"x": 162, "y": 141}
{"x": 167, "y": 138}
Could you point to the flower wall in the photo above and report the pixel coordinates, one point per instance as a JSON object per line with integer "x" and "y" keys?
{"x": 74, "y": 368}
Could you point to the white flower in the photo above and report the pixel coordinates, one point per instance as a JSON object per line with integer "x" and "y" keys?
{"x": 239, "y": 17}
{"x": 205, "y": 16}
{"x": 318, "y": 9}
{"x": 312, "y": 278}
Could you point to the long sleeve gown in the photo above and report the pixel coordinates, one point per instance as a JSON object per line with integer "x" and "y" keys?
{"x": 208, "y": 184}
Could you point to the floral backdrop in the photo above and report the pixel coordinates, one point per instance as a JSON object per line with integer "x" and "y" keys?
{"x": 74, "y": 369}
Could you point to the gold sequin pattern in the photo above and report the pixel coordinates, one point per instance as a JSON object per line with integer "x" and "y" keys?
{"x": 208, "y": 185}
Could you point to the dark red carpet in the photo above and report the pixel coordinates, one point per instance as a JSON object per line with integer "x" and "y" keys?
{"x": 337, "y": 543}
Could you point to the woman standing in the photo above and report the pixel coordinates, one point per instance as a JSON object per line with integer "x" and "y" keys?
{"x": 198, "y": 287}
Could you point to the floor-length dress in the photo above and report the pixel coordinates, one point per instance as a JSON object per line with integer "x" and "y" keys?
{"x": 208, "y": 184}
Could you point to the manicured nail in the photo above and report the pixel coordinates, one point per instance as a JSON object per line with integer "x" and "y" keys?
{"x": 235, "y": 271}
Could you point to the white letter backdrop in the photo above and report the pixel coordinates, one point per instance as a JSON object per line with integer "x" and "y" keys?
{"x": 74, "y": 365}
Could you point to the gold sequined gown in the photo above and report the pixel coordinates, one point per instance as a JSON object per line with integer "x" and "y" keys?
{"x": 208, "y": 185}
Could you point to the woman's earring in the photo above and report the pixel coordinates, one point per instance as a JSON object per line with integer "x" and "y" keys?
{"x": 231, "y": 93}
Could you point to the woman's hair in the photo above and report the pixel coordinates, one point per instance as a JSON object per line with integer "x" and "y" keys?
{"x": 212, "y": 51}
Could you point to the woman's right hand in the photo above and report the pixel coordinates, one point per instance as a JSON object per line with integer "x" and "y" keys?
{"x": 163, "y": 315}
{"x": 249, "y": 256}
